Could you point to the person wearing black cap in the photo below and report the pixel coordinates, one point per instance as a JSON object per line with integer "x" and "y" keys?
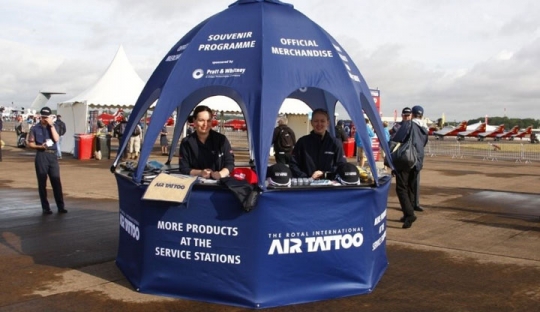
{"x": 317, "y": 154}
{"x": 206, "y": 153}
{"x": 405, "y": 115}
{"x": 406, "y": 180}
{"x": 43, "y": 137}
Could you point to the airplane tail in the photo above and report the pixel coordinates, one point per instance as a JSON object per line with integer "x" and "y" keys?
{"x": 463, "y": 125}
{"x": 482, "y": 127}
{"x": 41, "y": 99}
{"x": 443, "y": 120}
{"x": 528, "y": 130}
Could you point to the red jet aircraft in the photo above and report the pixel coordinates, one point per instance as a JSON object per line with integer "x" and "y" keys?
{"x": 450, "y": 131}
{"x": 490, "y": 134}
{"x": 522, "y": 134}
{"x": 471, "y": 133}
{"x": 506, "y": 135}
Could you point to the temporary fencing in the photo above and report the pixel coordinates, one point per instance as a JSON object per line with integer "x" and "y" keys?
{"x": 489, "y": 151}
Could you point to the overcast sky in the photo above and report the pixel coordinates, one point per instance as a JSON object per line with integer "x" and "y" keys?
{"x": 462, "y": 58}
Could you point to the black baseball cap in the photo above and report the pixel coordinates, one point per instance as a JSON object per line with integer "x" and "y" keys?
{"x": 279, "y": 175}
{"x": 406, "y": 111}
{"x": 348, "y": 174}
{"x": 45, "y": 111}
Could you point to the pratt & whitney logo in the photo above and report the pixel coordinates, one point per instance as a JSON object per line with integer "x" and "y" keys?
{"x": 198, "y": 73}
{"x": 218, "y": 73}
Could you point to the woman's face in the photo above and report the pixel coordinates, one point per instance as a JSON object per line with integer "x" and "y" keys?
{"x": 319, "y": 122}
{"x": 203, "y": 122}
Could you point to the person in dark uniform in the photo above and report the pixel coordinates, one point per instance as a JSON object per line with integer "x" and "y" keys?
{"x": 43, "y": 137}
{"x": 405, "y": 116}
{"x": 407, "y": 180}
{"x": 205, "y": 153}
{"x": 318, "y": 154}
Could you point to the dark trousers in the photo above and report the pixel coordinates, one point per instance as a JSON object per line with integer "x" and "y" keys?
{"x": 282, "y": 157}
{"x": 417, "y": 193}
{"x": 47, "y": 165}
{"x": 406, "y": 185}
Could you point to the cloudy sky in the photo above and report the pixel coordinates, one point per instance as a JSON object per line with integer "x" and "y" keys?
{"x": 462, "y": 58}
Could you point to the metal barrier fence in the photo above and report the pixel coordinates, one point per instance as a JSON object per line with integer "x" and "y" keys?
{"x": 490, "y": 151}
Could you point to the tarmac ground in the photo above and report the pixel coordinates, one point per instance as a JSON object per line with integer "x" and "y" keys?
{"x": 476, "y": 247}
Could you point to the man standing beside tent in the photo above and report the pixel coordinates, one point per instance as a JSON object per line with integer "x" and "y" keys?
{"x": 283, "y": 140}
{"x": 407, "y": 178}
{"x": 43, "y": 137}
{"x": 134, "y": 145}
{"x": 119, "y": 130}
{"x": 61, "y": 131}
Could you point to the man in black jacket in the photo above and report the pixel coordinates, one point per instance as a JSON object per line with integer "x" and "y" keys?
{"x": 406, "y": 179}
{"x": 61, "y": 131}
{"x": 341, "y": 134}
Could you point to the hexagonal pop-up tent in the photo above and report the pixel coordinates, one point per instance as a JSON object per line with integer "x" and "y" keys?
{"x": 298, "y": 245}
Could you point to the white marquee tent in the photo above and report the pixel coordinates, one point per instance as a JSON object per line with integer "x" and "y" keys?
{"x": 118, "y": 87}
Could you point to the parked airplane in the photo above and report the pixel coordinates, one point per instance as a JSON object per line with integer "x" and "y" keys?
{"x": 507, "y": 134}
{"x": 450, "y": 131}
{"x": 235, "y": 124}
{"x": 471, "y": 133}
{"x": 522, "y": 134}
{"x": 490, "y": 134}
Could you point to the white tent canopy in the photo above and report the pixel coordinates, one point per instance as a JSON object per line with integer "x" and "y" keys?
{"x": 225, "y": 104}
{"x": 118, "y": 87}
{"x": 298, "y": 113}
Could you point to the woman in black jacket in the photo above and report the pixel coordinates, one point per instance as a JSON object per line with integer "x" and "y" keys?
{"x": 206, "y": 153}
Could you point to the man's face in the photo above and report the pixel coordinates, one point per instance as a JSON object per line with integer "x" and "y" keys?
{"x": 406, "y": 117}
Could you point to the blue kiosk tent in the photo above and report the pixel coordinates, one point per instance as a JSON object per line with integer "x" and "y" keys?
{"x": 298, "y": 245}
